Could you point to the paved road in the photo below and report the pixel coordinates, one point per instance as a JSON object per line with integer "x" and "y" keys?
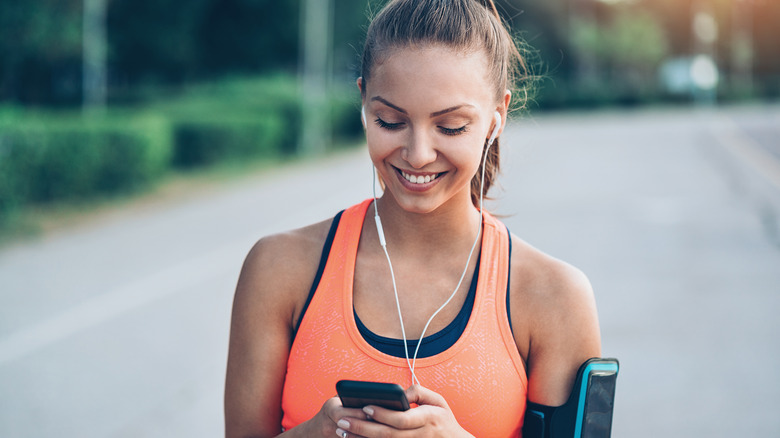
{"x": 119, "y": 328}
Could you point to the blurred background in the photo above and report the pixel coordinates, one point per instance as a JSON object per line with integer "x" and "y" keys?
{"x": 174, "y": 86}
{"x": 145, "y": 145}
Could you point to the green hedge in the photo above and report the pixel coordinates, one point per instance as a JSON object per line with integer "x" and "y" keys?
{"x": 345, "y": 116}
{"x": 46, "y": 158}
{"x": 209, "y": 140}
{"x": 233, "y": 119}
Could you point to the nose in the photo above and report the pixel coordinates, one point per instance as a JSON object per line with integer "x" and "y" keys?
{"x": 420, "y": 150}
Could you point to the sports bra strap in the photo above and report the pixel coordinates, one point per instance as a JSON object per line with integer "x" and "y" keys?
{"x": 321, "y": 268}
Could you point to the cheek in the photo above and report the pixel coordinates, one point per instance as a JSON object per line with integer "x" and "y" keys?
{"x": 382, "y": 144}
{"x": 464, "y": 151}
{"x": 467, "y": 154}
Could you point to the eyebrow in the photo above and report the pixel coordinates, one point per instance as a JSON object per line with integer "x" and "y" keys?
{"x": 433, "y": 114}
{"x": 384, "y": 101}
{"x": 449, "y": 110}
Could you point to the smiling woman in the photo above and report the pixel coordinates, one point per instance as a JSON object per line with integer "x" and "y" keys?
{"x": 421, "y": 296}
{"x": 433, "y": 124}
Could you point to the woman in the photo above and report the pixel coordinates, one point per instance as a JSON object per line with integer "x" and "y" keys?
{"x": 500, "y": 322}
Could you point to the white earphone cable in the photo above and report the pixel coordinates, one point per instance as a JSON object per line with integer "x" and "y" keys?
{"x": 411, "y": 363}
{"x": 383, "y": 243}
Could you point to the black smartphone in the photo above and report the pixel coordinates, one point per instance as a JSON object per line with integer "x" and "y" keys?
{"x": 587, "y": 413}
{"x": 357, "y": 393}
{"x": 598, "y": 384}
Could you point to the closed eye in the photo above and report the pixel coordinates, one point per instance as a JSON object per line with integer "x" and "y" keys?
{"x": 389, "y": 126}
{"x": 453, "y": 131}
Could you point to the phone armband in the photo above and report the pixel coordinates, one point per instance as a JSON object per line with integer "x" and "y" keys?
{"x": 588, "y": 411}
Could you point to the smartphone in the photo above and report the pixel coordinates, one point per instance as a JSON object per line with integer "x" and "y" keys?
{"x": 597, "y": 382}
{"x": 357, "y": 393}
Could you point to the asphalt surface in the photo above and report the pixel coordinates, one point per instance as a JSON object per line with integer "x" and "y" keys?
{"x": 118, "y": 327}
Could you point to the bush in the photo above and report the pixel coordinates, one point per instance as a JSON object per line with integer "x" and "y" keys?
{"x": 48, "y": 157}
{"x": 234, "y": 119}
{"x": 204, "y": 141}
{"x": 345, "y": 116}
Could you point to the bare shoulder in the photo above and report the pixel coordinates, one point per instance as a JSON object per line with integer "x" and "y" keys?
{"x": 271, "y": 290}
{"x": 554, "y": 319}
{"x": 547, "y": 283}
{"x": 279, "y": 268}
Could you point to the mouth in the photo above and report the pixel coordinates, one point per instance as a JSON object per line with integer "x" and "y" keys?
{"x": 419, "y": 178}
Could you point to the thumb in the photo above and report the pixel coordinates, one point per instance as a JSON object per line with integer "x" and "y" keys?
{"x": 420, "y": 395}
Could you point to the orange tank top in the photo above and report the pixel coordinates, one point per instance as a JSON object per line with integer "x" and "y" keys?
{"x": 481, "y": 376}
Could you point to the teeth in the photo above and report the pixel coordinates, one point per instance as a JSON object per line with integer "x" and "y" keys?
{"x": 415, "y": 179}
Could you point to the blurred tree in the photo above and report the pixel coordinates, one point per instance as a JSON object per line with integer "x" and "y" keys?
{"x": 94, "y": 49}
{"x": 170, "y": 42}
{"x": 249, "y": 36}
{"x": 766, "y": 36}
{"x": 350, "y": 21}
{"x": 594, "y": 51}
{"x": 637, "y": 41}
{"x": 542, "y": 30}
{"x": 40, "y": 51}
{"x": 543, "y": 27}
{"x": 675, "y": 17}
{"x": 633, "y": 43}
{"x": 154, "y": 39}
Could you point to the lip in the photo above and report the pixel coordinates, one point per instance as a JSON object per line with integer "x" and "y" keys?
{"x": 414, "y": 187}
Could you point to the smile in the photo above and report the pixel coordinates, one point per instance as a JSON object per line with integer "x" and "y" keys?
{"x": 419, "y": 179}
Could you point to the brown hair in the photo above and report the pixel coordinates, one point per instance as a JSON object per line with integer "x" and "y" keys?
{"x": 471, "y": 25}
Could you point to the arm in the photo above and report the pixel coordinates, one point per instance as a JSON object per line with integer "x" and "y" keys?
{"x": 554, "y": 320}
{"x": 270, "y": 294}
{"x": 259, "y": 344}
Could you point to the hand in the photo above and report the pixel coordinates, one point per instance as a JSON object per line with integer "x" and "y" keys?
{"x": 431, "y": 418}
{"x": 324, "y": 423}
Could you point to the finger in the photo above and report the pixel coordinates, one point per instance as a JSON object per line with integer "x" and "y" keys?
{"x": 360, "y": 428}
{"x": 350, "y": 428}
{"x": 344, "y": 434}
{"x": 402, "y": 420}
{"x": 336, "y": 411}
{"x": 423, "y": 396}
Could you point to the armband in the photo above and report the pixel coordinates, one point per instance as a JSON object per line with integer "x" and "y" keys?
{"x": 588, "y": 411}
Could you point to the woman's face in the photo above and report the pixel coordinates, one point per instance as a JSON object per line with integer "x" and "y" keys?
{"x": 428, "y": 113}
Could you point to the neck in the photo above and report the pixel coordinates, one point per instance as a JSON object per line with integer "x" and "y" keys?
{"x": 449, "y": 227}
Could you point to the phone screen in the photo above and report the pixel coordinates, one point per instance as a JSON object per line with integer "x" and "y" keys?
{"x": 599, "y": 402}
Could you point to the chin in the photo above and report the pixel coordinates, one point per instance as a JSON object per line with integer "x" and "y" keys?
{"x": 422, "y": 204}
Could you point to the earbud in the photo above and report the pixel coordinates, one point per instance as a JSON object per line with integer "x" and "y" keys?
{"x": 363, "y": 116}
{"x": 496, "y": 129}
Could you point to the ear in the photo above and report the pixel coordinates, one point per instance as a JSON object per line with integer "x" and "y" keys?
{"x": 503, "y": 109}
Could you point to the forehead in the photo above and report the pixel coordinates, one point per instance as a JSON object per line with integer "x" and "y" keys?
{"x": 432, "y": 74}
